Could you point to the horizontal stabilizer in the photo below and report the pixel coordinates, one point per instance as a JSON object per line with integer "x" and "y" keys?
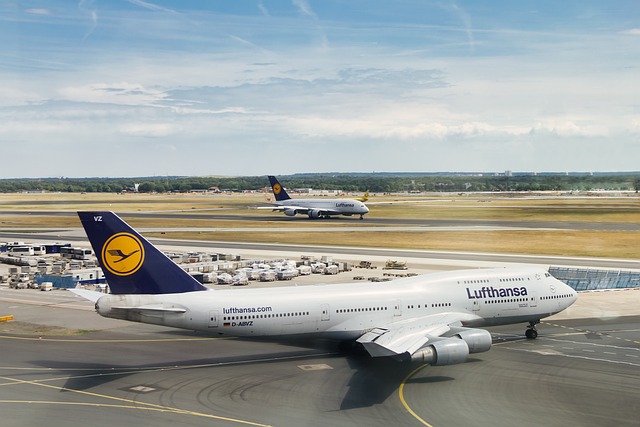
{"x": 92, "y": 296}
{"x": 152, "y": 309}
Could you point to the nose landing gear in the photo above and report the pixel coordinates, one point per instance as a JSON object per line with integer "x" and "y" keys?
{"x": 531, "y": 332}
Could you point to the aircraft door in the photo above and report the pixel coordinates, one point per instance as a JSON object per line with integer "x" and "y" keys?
{"x": 213, "y": 318}
{"x": 324, "y": 310}
{"x": 533, "y": 300}
{"x": 397, "y": 308}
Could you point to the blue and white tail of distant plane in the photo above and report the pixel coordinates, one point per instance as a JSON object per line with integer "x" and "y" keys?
{"x": 314, "y": 208}
{"x": 278, "y": 190}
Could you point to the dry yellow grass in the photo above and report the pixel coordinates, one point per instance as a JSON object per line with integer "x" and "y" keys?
{"x": 624, "y": 209}
{"x": 123, "y": 202}
{"x": 560, "y": 243}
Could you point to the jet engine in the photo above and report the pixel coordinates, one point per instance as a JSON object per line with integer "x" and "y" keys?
{"x": 447, "y": 351}
{"x": 314, "y": 213}
{"x": 478, "y": 340}
{"x": 290, "y": 212}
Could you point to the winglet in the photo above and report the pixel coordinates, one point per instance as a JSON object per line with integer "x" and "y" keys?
{"x": 278, "y": 190}
{"x": 364, "y": 197}
{"x": 130, "y": 263}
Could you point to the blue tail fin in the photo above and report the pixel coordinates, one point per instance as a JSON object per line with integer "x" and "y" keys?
{"x": 278, "y": 190}
{"x": 130, "y": 263}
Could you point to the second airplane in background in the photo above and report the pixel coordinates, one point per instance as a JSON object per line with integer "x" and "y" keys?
{"x": 314, "y": 208}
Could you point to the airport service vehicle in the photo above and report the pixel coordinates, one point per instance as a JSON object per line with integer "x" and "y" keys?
{"x": 20, "y": 281}
{"x": 431, "y": 318}
{"x": 314, "y": 208}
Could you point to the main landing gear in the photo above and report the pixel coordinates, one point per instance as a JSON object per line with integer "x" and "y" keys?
{"x": 531, "y": 332}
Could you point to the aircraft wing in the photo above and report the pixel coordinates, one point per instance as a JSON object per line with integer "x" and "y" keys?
{"x": 273, "y": 208}
{"x": 299, "y": 209}
{"x": 409, "y": 335}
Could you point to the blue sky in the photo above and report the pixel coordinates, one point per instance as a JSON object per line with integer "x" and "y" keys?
{"x": 138, "y": 88}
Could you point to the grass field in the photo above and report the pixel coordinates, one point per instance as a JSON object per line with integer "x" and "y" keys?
{"x": 560, "y": 243}
{"x": 625, "y": 209}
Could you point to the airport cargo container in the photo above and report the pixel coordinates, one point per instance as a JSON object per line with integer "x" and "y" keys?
{"x": 268, "y": 276}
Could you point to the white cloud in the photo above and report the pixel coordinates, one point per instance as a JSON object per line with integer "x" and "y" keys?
{"x": 115, "y": 93}
{"x": 263, "y": 9}
{"x": 45, "y": 12}
{"x": 149, "y": 130}
{"x": 151, "y": 6}
{"x": 12, "y": 95}
{"x": 86, "y": 6}
{"x": 190, "y": 110}
{"x": 566, "y": 128}
{"x": 304, "y": 7}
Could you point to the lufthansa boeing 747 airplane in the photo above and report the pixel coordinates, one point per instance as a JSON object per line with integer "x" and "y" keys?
{"x": 314, "y": 208}
{"x": 431, "y": 318}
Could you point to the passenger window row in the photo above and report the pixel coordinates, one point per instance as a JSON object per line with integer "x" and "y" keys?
{"x": 358, "y": 310}
{"x": 556, "y": 296}
{"x": 502, "y": 301}
{"x": 440, "y": 304}
{"x": 266, "y": 316}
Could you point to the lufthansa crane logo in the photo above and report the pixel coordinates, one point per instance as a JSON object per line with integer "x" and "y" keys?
{"x": 123, "y": 254}
{"x": 277, "y": 188}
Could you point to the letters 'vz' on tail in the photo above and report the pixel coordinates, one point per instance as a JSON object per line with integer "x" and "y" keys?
{"x": 278, "y": 190}
{"x": 130, "y": 263}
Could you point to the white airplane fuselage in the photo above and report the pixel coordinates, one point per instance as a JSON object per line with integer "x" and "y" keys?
{"x": 323, "y": 207}
{"x": 347, "y": 311}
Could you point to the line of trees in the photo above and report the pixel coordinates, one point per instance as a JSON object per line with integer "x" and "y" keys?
{"x": 377, "y": 183}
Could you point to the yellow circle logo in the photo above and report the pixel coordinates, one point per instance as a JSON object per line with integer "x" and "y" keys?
{"x": 123, "y": 254}
{"x": 277, "y": 188}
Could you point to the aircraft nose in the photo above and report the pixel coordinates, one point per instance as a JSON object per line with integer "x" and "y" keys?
{"x": 570, "y": 291}
{"x": 574, "y": 294}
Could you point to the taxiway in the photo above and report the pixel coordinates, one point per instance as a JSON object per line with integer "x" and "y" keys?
{"x": 578, "y": 372}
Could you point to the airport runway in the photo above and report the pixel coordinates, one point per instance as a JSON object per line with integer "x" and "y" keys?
{"x": 470, "y": 259}
{"x": 577, "y": 373}
{"x": 369, "y": 220}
